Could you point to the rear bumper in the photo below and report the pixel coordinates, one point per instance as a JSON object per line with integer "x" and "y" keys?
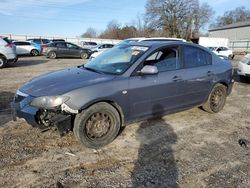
{"x": 12, "y": 60}
{"x": 243, "y": 69}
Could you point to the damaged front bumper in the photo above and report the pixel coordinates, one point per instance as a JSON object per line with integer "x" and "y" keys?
{"x": 42, "y": 119}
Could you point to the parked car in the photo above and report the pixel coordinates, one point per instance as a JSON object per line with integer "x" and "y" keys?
{"x": 86, "y": 44}
{"x": 222, "y": 51}
{"x": 127, "y": 83}
{"x": 65, "y": 49}
{"x": 244, "y": 67}
{"x": 101, "y": 47}
{"x": 7, "y": 52}
{"x": 140, "y": 39}
{"x": 27, "y": 48}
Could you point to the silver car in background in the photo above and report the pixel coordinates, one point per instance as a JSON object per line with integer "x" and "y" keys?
{"x": 7, "y": 52}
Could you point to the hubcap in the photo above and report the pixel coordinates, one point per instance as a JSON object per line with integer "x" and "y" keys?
{"x": 217, "y": 98}
{"x": 52, "y": 55}
{"x": 98, "y": 125}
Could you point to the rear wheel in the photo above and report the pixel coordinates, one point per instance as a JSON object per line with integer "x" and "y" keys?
{"x": 52, "y": 55}
{"x": 216, "y": 100}
{"x": 34, "y": 52}
{"x": 84, "y": 55}
{"x": 3, "y": 62}
{"x": 97, "y": 126}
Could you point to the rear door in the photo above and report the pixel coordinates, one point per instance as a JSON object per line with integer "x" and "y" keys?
{"x": 61, "y": 49}
{"x": 198, "y": 75}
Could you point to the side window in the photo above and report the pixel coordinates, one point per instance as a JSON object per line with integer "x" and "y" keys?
{"x": 26, "y": 43}
{"x": 71, "y": 46}
{"x": 38, "y": 41}
{"x": 166, "y": 59}
{"x": 45, "y": 41}
{"x": 61, "y": 45}
{"x": 195, "y": 57}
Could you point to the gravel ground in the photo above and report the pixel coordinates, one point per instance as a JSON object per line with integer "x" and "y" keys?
{"x": 185, "y": 149}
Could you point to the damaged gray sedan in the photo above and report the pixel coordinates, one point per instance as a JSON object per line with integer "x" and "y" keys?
{"x": 127, "y": 83}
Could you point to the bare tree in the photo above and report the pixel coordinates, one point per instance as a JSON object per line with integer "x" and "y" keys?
{"x": 177, "y": 18}
{"x": 237, "y": 15}
{"x": 90, "y": 33}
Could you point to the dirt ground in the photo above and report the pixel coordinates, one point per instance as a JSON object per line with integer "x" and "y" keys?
{"x": 186, "y": 149}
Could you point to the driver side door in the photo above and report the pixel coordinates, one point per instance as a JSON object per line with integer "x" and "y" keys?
{"x": 153, "y": 95}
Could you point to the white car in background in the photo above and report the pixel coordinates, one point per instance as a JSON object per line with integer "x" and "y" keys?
{"x": 222, "y": 51}
{"x": 7, "y": 52}
{"x": 26, "y": 48}
{"x": 244, "y": 66}
{"x": 101, "y": 47}
{"x": 139, "y": 39}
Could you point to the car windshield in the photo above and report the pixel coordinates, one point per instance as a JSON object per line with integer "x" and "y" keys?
{"x": 116, "y": 60}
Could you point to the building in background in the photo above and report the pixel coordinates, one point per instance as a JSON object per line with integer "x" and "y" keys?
{"x": 237, "y": 33}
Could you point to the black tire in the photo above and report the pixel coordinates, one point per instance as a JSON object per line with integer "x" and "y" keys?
{"x": 3, "y": 62}
{"x": 242, "y": 78}
{"x": 34, "y": 52}
{"x": 97, "y": 126}
{"x": 216, "y": 100}
{"x": 84, "y": 55}
{"x": 52, "y": 55}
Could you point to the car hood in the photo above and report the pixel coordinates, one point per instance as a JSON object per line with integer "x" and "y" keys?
{"x": 63, "y": 81}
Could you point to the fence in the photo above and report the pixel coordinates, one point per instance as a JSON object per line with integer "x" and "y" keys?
{"x": 241, "y": 46}
{"x": 76, "y": 40}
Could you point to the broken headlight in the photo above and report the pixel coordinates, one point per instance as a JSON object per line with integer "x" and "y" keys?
{"x": 49, "y": 102}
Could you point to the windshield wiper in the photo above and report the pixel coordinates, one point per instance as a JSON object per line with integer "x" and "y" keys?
{"x": 93, "y": 70}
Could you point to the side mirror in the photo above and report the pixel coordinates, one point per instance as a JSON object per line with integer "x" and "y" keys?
{"x": 149, "y": 70}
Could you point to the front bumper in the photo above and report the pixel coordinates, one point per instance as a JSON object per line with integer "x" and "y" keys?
{"x": 28, "y": 113}
{"x": 21, "y": 108}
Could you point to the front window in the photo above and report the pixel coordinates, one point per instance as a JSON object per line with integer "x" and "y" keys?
{"x": 116, "y": 60}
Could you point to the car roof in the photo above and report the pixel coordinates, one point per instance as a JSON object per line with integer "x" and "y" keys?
{"x": 158, "y": 44}
{"x": 156, "y": 38}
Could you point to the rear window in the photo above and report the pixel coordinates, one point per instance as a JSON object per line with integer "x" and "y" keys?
{"x": 7, "y": 40}
{"x": 195, "y": 57}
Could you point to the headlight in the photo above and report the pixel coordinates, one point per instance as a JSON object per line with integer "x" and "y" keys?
{"x": 49, "y": 102}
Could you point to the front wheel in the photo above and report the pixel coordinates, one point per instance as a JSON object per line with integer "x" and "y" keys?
{"x": 97, "y": 126}
{"x": 216, "y": 100}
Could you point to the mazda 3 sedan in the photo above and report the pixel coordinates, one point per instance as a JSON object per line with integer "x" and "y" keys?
{"x": 127, "y": 83}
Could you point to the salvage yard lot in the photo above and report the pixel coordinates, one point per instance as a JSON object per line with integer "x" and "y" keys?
{"x": 186, "y": 149}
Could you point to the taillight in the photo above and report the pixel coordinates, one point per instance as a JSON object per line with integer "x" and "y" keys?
{"x": 10, "y": 45}
{"x": 44, "y": 47}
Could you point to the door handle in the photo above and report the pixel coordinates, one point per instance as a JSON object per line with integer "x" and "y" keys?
{"x": 210, "y": 73}
{"x": 177, "y": 79}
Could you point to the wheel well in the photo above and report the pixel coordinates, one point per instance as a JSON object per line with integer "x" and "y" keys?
{"x": 224, "y": 83}
{"x": 1, "y": 55}
{"x": 115, "y": 105}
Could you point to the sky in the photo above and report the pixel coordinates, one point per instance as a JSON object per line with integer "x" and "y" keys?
{"x": 70, "y": 18}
